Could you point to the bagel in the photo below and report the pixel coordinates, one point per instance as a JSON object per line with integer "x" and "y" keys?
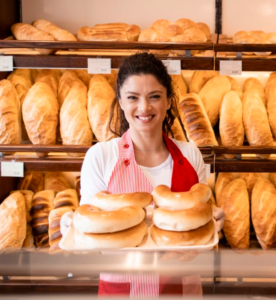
{"x": 183, "y": 220}
{"x": 131, "y": 237}
{"x": 89, "y": 219}
{"x": 165, "y": 198}
{"x": 199, "y": 236}
{"x": 106, "y": 201}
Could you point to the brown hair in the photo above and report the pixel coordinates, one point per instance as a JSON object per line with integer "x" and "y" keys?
{"x": 138, "y": 64}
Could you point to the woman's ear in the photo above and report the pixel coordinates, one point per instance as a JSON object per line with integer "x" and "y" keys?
{"x": 169, "y": 103}
{"x": 120, "y": 103}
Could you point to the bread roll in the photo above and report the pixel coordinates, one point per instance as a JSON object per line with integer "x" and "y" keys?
{"x": 231, "y": 128}
{"x": 263, "y": 209}
{"x": 250, "y": 180}
{"x": 271, "y": 37}
{"x": 131, "y": 237}
{"x": 222, "y": 181}
{"x": 12, "y": 222}
{"x": 199, "y": 236}
{"x": 196, "y": 122}
{"x": 57, "y": 33}
{"x": 100, "y": 98}
{"x": 235, "y": 204}
{"x": 255, "y": 121}
{"x": 270, "y": 92}
{"x": 239, "y": 34}
{"x": 257, "y": 34}
{"x": 212, "y": 94}
{"x": 68, "y": 198}
{"x": 26, "y": 32}
{"x": 235, "y": 87}
{"x": 10, "y": 114}
{"x": 74, "y": 124}
{"x": 199, "y": 79}
{"x": 40, "y": 115}
{"x": 54, "y": 225}
{"x": 148, "y": 35}
{"x": 42, "y": 204}
{"x": 246, "y": 39}
{"x": 51, "y": 77}
{"x": 195, "y": 34}
{"x": 171, "y": 30}
{"x": 204, "y": 28}
{"x": 160, "y": 24}
{"x": 56, "y": 181}
{"x": 185, "y": 23}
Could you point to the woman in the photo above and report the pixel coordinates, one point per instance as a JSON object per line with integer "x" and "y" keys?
{"x": 143, "y": 157}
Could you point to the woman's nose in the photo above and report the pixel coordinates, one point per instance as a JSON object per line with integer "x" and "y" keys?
{"x": 144, "y": 105}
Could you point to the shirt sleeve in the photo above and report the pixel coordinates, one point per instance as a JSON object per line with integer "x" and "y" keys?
{"x": 92, "y": 174}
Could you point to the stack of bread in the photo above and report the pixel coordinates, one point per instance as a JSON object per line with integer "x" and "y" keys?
{"x": 182, "y": 218}
{"x": 112, "y": 221}
{"x": 41, "y": 30}
{"x": 109, "y": 32}
{"x": 64, "y": 201}
{"x": 183, "y": 30}
{"x": 254, "y": 37}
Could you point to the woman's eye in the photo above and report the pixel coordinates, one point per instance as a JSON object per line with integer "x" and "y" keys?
{"x": 155, "y": 96}
{"x": 131, "y": 97}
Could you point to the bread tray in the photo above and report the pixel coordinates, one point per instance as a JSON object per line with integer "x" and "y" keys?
{"x": 67, "y": 243}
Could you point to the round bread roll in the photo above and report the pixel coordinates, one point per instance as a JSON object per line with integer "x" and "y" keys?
{"x": 245, "y": 39}
{"x": 185, "y": 23}
{"x": 183, "y": 220}
{"x": 263, "y": 41}
{"x": 172, "y": 30}
{"x": 160, "y": 24}
{"x": 106, "y": 201}
{"x": 271, "y": 37}
{"x": 257, "y": 34}
{"x": 165, "y": 198}
{"x": 204, "y": 28}
{"x": 199, "y": 236}
{"x": 131, "y": 237}
{"x": 239, "y": 35}
{"x": 89, "y": 219}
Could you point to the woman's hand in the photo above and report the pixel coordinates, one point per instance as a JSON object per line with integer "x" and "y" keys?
{"x": 218, "y": 215}
{"x": 65, "y": 222}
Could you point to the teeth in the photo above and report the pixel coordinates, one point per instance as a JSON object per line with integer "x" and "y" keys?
{"x": 145, "y": 118}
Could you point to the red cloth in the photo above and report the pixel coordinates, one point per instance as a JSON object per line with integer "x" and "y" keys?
{"x": 113, "y": 288}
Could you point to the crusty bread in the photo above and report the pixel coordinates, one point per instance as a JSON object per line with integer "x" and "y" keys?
{"x": 100, "y": 97}
{"x": 160, "y": 24}
{"x": 231, "y": 128}
{"x": 204, "y": 28}
{"x": 235, "y": 87}
{"x": 253, "y": 85}
{"x": 29, "y": 239}
{"x": 178, "y": 132}
{"x": 212, "y": 94}
{"x": 27, "y": 32}
{"x": 195, "y": 34}
{"x": 40, "y": 115}
{"x": 250, "y": 180}
{"x": 272, "y": 178}
{"x": 195, "y": 120}
{"x": 179, "y": 86}
{"x": 270, "y": 92}
{"x": 84, "y": 76}
{"x": 54, "y": 225}
{"x": 222, "y": 181}
{"x": 28, "y": 196}
{"x": 185, "y": 23}
{"x": 171, "y": 30}
{"x": 74, "y": 124}
{"x": 57, "y": 33}
{"x": 68, "y": 197}
{"x": 263, "y": 209}
{"x": 56, "y": 181}
{"x": 199, "y": 79}
{"x": 255, "y": 120}
{"x": 235, "y": 204}
{"x": 238, "y": 35}
{"x": 112, "y": 78}
{"x": 12, "y": 221}
{"x": 10, "y": 114}
{"x": 33, "y": 181}
{"x": 51, "y": 77}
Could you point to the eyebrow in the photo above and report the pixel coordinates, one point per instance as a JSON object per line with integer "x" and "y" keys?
{"x": 153, "y": 92}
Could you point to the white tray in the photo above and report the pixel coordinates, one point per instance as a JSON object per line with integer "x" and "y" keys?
{"x": 68, "y": 243}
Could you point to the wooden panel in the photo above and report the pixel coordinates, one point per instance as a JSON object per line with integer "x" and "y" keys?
{"x": 10, "y": 13}
{"x": 244, "y": 149}
{"x": 7, "y": 184}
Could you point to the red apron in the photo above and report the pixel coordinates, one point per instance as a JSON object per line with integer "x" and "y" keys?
{"x": 127, "y": 177}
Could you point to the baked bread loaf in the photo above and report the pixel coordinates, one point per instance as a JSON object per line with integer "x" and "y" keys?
{"x": 57, "y": 33}
{"x": 231, "y": 128}
{"x": 196, "y": 122}
{"x": 12, "y": 222}
{"x": 100, "y": 98}
{"x": 263, "y": 209}
{"x": 199, "y": 79}
{"x": 235, "y": 87}
{"x": 255, "y": 121}
{"x": 212, "y": 94}
{"x": 106, "y": 201}
{"x": 29, "y": 239}
{"x": 272, "y": 178}
{"x": 199, "y": 236}
{"x": 178, "y": 132}
{"x": 54, "y": 225}
{"x": 250, "y": 180}
{"x": 222, "y": 181}
{"x": 67, "y": 198}
{"x": 42, "y": 204}
{"x": 10, "y": 114}
{"x": 40, "y": 115}
{"x": 27, "y": 32}
{"x": 33, "y": 181}
{"x": 185, "y": 23}
{"x": 74, "y": 124}
{"x": 270, "y": 92}
{"x": 56, "y": 181}
{"x": 253, "y": 86}
{"x": 131, "y": 237}
{"x": 179, "y": 86}
{"x": 112, "y": 79}
{"x": 234, "y": 202}
{"x": 204, "y": 28}
{"x": 51, "y": 77}
{"x": 85, "y": 77}
{"x": 89, "y": 219}
{"x": 160, "y": 24}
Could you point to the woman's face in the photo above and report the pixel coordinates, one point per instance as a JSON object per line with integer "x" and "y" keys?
{"x": 144, "y": 102}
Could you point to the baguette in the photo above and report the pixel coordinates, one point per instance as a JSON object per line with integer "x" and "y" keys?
{"x": 270, "y": 92}
{"x": 199, "y": 79}
{"x": 51, "y": 77}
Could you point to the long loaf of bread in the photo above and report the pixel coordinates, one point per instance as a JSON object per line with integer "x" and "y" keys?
{"x": 270, "y": 91}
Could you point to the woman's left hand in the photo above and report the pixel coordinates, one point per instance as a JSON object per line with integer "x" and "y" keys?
{"x": 219, "y": 216}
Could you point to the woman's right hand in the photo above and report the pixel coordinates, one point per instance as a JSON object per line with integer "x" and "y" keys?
{"x": 65, "y": 222}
